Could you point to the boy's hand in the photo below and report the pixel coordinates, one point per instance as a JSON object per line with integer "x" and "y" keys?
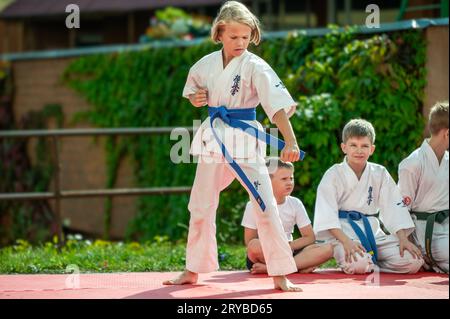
{"x": 405, "y": 244}
{"x": 351, "y": 248}
{"x": 290, "y": 152}
{"x": 199, "y": 98}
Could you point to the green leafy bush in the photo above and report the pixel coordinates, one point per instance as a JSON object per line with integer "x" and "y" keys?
{"x": 21, "y": 172}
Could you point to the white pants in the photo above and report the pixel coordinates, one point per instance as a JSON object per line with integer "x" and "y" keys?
{"x": 439, "y": 243}
{"x": 389, "y": 259}
{"x": 212, "y": 176}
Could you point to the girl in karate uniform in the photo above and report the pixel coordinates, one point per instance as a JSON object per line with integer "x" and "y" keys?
{"x": 232, "y": 82}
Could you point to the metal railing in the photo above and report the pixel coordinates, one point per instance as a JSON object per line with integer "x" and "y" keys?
{"x": 58, "y": 194}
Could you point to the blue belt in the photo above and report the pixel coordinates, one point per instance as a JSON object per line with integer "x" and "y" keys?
{"x": 367, "y": 239}
{"x": 235, "y": 118}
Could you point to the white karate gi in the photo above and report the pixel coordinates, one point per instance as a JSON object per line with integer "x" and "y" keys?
{"x": 424, "y": 182}
{"x": 292, "y": 212}
{"x": 244, "y": 83}
{"x": 376, "y": 191}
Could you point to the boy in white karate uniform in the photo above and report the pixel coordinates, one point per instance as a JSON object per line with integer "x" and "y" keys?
{"x": 307, "y": 255}
{"x": 423, "y": 181}
{"x": 232, "y": 82}
{"x": 349, "y": 197}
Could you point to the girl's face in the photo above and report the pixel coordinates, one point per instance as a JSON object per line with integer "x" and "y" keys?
{"x": 235, "y": 38}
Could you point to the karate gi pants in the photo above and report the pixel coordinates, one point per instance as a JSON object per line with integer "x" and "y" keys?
{"x": 213, "y": 175}
{"x": 439, "y": 244}
{"x": 389, "y": 259}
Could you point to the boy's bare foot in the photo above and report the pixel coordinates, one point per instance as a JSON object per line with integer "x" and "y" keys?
{"x": 307, "y": 270}
{"x": 259, "y": 268}
{"x": 186, "y": 277}
{"x": 282, "y": 283}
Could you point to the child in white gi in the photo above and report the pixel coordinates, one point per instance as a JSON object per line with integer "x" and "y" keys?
{"x": 307, "y": 255}
{"x": 232, "y": 82}
{"x": 423, "y": 181}
{"x": 349, "y": 197}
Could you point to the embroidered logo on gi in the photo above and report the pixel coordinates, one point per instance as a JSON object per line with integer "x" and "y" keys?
{"x": 402, "y": 202}
{"x": 280, "y": 85}
{"x": 370, "y": 197}
{"x": 235, "y": 86}
{"x": 407, "y": 200}
{"x": 256, "y": 183}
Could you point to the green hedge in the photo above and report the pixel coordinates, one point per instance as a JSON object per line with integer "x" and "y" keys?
{"x": 335, "y": 78}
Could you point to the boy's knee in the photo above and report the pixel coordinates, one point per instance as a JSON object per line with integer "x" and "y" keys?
{"x": 408, "y": 264}
{"x": 361, "y": 266}
{"x": 199, "y": 211}
{"x": 441, "y": 254}
{"x": 324, "y": 252}
{"x": 327, "y": 251}
{"x": 415, "y": 265}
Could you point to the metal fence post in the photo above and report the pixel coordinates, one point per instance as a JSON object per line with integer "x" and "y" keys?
{"x": 57, "y": 181}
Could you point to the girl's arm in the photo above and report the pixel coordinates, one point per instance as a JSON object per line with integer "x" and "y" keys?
{"x": 291, "y": 151}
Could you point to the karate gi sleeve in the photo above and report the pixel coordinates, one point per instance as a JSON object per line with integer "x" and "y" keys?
{"x": 248, "y": 220}
{"x": 271, "y": 91}
{"x": 393, "y": 212}
{"x": 193, "y": 81}
{"x": 326, "y": 209}
{"x": 408, "y": 181}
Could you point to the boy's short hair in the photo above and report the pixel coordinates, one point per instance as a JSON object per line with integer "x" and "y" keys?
{"x": 236, "y": 12}
{"x": 275, "y": 163}
{"x": 358, "y": 128}
{"x": 438, "y": 118}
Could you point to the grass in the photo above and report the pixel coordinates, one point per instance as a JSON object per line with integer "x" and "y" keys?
{"x": 103, "y": 256}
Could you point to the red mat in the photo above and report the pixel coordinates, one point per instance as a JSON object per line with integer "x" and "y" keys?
{"x": 225, "y": 285}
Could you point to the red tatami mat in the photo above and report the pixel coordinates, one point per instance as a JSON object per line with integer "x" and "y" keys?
{"x": 224, "y": 285}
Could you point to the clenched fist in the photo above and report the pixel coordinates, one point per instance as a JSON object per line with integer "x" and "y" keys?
{"x": 199, "y": 98}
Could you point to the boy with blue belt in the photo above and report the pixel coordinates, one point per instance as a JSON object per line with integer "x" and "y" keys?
{"x": 349, "y": 197}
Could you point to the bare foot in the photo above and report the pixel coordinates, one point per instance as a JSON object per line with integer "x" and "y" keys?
{"x": 307, "y": 270}
{"x": 186, "y": 277}
{"x": 282, "y": 283}
{"x": 259, "y": 268}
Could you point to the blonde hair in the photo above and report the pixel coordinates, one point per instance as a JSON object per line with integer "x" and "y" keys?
{"x": 233, "y": 11}
{"x": 358, "y": 128}
{"x": 438, "y": 118}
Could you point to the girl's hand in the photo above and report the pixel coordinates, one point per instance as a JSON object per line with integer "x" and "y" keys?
{"x": 199, "y": 98}
{"x": 290, "y": 152}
